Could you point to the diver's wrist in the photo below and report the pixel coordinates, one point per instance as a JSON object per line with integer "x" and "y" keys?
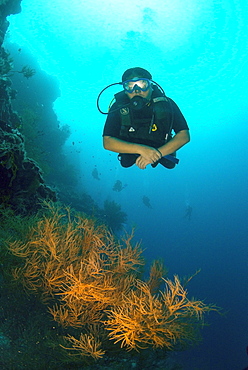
{"x": 161, "y": 155}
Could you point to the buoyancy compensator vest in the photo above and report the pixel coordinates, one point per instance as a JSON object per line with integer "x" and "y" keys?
{"x": 143, "y": 121}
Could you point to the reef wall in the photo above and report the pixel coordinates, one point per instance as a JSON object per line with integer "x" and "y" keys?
{"x": 22, "y": 186}
{"x": 7, "y": 7}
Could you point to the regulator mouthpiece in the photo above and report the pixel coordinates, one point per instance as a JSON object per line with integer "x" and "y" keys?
{"x": 137, "y": 102}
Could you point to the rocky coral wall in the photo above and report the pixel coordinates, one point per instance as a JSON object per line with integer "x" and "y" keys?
{"x": 21, "y": 183}
{"x": 7, "y": 7}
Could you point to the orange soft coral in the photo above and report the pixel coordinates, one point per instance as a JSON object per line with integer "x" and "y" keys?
{"x": 87, "y": 345}
{"x": 161, "y": 320}
{"x": 93, "y": 279}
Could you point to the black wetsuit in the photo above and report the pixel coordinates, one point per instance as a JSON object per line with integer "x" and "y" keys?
{"x": 173, "y": 120}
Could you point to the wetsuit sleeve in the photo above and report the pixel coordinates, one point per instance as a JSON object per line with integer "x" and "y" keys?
{"x": 179, "y": 122}
{"x": 113, "y": 124}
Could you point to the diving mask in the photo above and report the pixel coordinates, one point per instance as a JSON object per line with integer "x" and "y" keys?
{"x": 136, "y": 83}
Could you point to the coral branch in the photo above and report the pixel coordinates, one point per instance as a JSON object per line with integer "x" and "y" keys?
{"x": 87, "y": 345}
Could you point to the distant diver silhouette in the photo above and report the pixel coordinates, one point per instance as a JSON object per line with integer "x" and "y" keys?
{"x": 146, "y": 201}
{"x": 95, "y": 174}
{"x": 188, "y": 212}
{"x": 118, "y": 186}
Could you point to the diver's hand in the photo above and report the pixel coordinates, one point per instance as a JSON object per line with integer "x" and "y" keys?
{"x": 151, "y": 155}
{"x": 142, "y": 162}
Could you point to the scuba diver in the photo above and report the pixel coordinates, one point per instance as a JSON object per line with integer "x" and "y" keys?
{"x": 139, "y": 124}
{"x": 188, "y": 212}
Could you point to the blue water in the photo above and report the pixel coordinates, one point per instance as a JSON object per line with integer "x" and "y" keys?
{"x": 198, "y": 52}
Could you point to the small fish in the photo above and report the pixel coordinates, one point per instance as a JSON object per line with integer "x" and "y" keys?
{"x": 95, "y": 174}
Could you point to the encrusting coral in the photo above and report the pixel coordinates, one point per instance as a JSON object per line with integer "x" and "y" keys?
{"x": 93, "y": 283}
